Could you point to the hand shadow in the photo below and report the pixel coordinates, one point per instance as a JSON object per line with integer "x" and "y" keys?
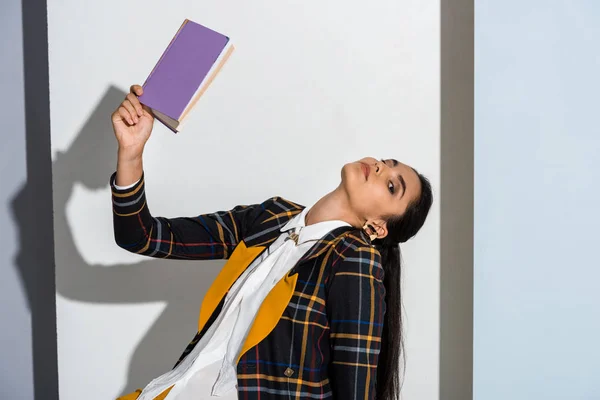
{"x": 90, "y": 160}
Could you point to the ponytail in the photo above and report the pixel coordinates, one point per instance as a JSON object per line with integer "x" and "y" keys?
{"x": 400, "y": 229}
{"x": 392, "y": 340}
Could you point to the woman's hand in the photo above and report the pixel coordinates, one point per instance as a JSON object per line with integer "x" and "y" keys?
{"x": 132, "y": 124}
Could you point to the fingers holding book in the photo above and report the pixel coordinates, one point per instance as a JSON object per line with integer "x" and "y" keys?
{"x": 132, "y": 121}
{"x": 134, "y": 92}
{"x": 133, "y": 109}
{"x": 136, "y": 89}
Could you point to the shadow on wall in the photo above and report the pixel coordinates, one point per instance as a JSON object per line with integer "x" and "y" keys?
{"x": 90, "y": 161}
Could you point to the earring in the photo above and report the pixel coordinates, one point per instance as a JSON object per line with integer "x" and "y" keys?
{"x": 367, "y": 227}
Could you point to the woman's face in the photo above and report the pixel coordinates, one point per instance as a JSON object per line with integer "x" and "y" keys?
{"x": 377, "y": 189}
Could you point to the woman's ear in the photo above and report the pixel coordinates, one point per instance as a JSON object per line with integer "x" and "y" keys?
{"x": 380, "y": 227}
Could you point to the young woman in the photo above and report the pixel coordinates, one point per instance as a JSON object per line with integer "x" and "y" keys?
{"x": 307, "y": 305}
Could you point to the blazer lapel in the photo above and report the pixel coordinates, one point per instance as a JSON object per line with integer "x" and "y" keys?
{"x": 270, "y": 312}
{"x": 279, "y": 297}
{"x": 274, "y": 305}
{"x": 239, "y": 260}
{"x": 245, "y": 253}
{"x": 321, "y": 246}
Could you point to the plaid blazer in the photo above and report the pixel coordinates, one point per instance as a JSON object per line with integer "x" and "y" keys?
{"x": 318, "y": 332}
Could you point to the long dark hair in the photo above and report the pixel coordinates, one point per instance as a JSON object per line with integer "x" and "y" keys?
{"x": 400, "y": 229}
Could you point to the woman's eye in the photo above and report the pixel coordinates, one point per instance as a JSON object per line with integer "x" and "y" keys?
{"x": 391, "y": 187}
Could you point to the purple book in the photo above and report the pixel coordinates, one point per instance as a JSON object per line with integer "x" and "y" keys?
{"x": 184, "y": 71}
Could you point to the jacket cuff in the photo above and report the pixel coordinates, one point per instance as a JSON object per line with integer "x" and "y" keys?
{"x": 130, "y": 200}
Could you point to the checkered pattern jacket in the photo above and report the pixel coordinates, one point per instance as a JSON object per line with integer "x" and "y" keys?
{"x": 317, "y": 334}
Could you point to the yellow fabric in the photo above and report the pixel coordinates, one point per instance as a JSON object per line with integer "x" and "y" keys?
{"x": 268, "y": 314}
{"x": 131, "y": 396}
{"x": 240, "y": 259}
{"x": 272, "y": 307}
{"x": 136, "y": 394}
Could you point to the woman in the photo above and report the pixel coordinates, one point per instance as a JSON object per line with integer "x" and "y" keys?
{"x": 308, "y": 304}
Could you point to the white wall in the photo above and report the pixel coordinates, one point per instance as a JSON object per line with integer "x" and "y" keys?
{"x": 310, "y": 87}
{"x": 537, "y": 143}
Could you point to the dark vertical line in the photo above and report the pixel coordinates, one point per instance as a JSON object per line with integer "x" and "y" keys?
{"x": 37, "y": 248}
{"x": 456, "y": 224}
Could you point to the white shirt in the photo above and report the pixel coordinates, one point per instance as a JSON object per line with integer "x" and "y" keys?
{"x": 209, "y": 370}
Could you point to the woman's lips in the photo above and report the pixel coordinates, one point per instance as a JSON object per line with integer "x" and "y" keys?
{"x": 366, "y": 169}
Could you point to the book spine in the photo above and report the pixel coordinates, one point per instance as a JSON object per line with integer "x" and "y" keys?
{"x": 165, "y": 52}
{"x": 165, "y": 123}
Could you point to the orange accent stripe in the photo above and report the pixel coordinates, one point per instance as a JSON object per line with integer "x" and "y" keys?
{"x": 130, "y": 214}
{"x": 128, "y": 193}
{"x": 303, "y": 322}
{"x": 170, "y": 244}
{"x": 354, "y": 336}
{"x": 235, "y": 232}
{"x": 290, "y": 202}
{"x": 222, "y": 239}
{"x": 355, "y": 365}
{"x": 288, "y": 214}
{"x": 358, "y": 274}
{"x": 283, "y": 379}
{"x": 143, "y": 249}
{"x": 316, "y": 299}
{"x": 307, "y": 320}
{"x": 372, "y": 316}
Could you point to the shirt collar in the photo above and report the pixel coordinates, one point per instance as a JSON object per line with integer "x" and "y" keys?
{"x": 311, "y": 232}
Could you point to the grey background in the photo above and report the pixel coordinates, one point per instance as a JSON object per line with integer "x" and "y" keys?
{"x": 28, "y": 365}
{"x": 16, "y": 364}
{"x": 456, "y": 222}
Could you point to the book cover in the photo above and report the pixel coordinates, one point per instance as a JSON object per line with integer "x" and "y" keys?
{"x": 183, "y": 71}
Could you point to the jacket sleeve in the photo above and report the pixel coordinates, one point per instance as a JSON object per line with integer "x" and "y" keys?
{"x": 356, "y": 309}
{"x": 202, "y": 237}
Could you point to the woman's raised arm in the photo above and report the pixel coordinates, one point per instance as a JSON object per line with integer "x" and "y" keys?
{"x": 207, "y": 236}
